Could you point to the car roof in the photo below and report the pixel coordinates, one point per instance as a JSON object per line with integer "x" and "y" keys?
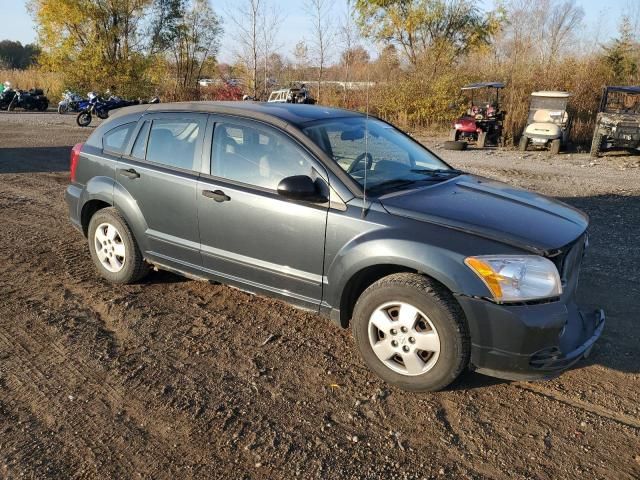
{"x": 473, "y": 86}
{"x": 551, "y": 93}
{"x": 277, "y": 113}
{"x": 624, "y": 89}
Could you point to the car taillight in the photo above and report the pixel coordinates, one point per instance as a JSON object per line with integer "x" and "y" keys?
{"x": 75, "y": 156}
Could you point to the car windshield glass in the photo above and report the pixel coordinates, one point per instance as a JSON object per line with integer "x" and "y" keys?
{"x": 623, "y": 102}
{"x": 389, "y": 158}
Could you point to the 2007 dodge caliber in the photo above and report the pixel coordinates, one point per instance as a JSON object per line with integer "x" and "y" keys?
{"x": 435, "y": 270}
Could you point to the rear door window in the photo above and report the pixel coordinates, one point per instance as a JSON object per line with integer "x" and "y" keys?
{"x": 172, "y": 142}
{"x": 116, "y": 139}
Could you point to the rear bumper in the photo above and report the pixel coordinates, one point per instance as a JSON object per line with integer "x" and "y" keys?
{"x": 529, "y": 342}
{"x": 72, "y": 198}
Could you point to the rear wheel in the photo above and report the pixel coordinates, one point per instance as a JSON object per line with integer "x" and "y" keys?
{"x": 596, "y": 144}
{"x": 555, "y": 146}
{"x": 482, "y": 139}
{"x": 524, "y": 143}
{"x": 113, "y": 248}
{"x": 411, "y": 332}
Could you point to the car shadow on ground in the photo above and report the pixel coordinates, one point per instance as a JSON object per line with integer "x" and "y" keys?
{"x": 34, "y": 159}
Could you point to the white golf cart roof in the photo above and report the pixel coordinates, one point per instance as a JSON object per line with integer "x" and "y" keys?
{"x": 551, "y": 93}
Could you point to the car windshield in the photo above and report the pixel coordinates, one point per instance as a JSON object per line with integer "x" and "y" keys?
{"x": 375, "y": 150}
{"x": 623, "y": 102}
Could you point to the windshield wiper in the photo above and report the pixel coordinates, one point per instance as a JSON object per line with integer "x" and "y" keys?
{"x": 438, "y": 171}
{"x": 396, "y": 182}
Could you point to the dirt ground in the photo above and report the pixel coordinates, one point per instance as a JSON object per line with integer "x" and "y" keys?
{"x": 174, "y": 378}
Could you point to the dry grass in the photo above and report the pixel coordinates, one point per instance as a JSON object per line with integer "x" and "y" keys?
{"x": 50, "y": 82}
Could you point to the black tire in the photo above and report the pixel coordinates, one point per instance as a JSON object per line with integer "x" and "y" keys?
{"x": 83, "y": 119}
{"x": 555, "y": 146}
{"x": 102, "y": 115}
{"x": 454, "y": 145}
{"x": 42, "y": 107}
{"x": 596, "y": 144}
{"x": 134, "y": 267}
{"x": 454, "y": 135}
{"x": 482, "y": 140}
{"x": 12, "y": 105}
{"x": 64, "y": 108}
{"x": 442, "y": 310}
{"x": 524, "y": 143}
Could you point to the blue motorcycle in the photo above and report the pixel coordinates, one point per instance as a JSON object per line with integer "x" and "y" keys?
{"x": 100, "y": 107}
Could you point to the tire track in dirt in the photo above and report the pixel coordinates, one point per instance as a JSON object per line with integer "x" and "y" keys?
{"x": 592, "y": 408}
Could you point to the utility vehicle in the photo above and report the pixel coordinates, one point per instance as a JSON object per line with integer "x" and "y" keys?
{"x": 482, "y": 122}
{"x": 618, "y": 120}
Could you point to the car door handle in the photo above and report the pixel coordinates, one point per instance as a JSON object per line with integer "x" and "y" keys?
{"x": 129, "y": 173}
{"x": 217, "y": 195}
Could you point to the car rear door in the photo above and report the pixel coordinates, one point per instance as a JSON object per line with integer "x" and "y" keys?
{"x": 161, "y": 175}
{"x": 250, "y": 235}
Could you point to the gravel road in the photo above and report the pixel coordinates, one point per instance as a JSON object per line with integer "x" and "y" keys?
{"x": 174, "y": 378}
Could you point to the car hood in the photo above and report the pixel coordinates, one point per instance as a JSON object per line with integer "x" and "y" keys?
{"x": 493, "y": 210}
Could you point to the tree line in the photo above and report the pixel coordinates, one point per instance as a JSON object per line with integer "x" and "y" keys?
{"x": 416, "y": 54}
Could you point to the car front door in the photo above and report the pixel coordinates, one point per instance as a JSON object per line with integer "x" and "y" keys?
{"x": 249, "y": 234}
{"x": 161, "y": 174}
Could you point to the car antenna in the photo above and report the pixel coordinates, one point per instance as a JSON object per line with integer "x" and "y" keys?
{"x": 366, "y": 148}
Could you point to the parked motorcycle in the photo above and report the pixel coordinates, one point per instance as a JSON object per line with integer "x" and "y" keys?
{"x": 6, "y": 97}
{"x": 101, "y": 107}
{"x": 71, "y": 101}
{"x": 34, "y": 99}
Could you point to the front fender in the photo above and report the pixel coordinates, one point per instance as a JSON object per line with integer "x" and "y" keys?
{"x": 438, "y": 258}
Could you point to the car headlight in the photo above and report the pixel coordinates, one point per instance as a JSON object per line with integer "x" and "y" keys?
{"x": 516, "y": 278}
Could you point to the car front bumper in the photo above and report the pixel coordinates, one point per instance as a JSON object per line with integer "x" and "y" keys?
{"x": 529, "y": 342}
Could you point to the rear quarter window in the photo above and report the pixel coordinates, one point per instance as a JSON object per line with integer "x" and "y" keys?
{"x": 116, "y": 139}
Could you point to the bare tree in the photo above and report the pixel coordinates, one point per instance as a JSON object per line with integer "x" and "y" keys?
{"x": 270, "y": 27}
{"x": 322, "y": 41}
{"x": 247, "y": 21}
{"x": 349, "y": 34}
{"x": 195, "y": 40}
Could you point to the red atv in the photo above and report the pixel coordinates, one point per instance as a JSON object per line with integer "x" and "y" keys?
{"x": 482, "y": 123}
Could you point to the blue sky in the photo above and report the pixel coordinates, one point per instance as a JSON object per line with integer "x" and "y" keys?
{"x": 600, "y": 19}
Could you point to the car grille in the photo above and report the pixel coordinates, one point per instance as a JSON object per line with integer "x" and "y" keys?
{"x": 569, "y": 259}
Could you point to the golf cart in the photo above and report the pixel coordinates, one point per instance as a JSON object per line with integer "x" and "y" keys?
{"x": 549, "y": 121}
{"x": 618, "y": 120}
{"x": 291, "y": 95}
{"x": 482, "y": 122}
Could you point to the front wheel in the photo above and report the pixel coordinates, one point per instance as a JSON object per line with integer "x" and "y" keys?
{"x": 482, "y": 140}
{"x": 411, "y": 332}
{"x": 596, "y": 144}
{"x": 63, "y": 108}
{"x": 12, "y": 105}
{"x": 113, "y": 248}
{"x": 83, "y": 119}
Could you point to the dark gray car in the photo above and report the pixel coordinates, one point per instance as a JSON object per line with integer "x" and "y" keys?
{"x": 435, "y": 270}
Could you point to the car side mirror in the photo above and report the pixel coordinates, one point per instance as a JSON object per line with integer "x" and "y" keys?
{"x": 300, "y": 187}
